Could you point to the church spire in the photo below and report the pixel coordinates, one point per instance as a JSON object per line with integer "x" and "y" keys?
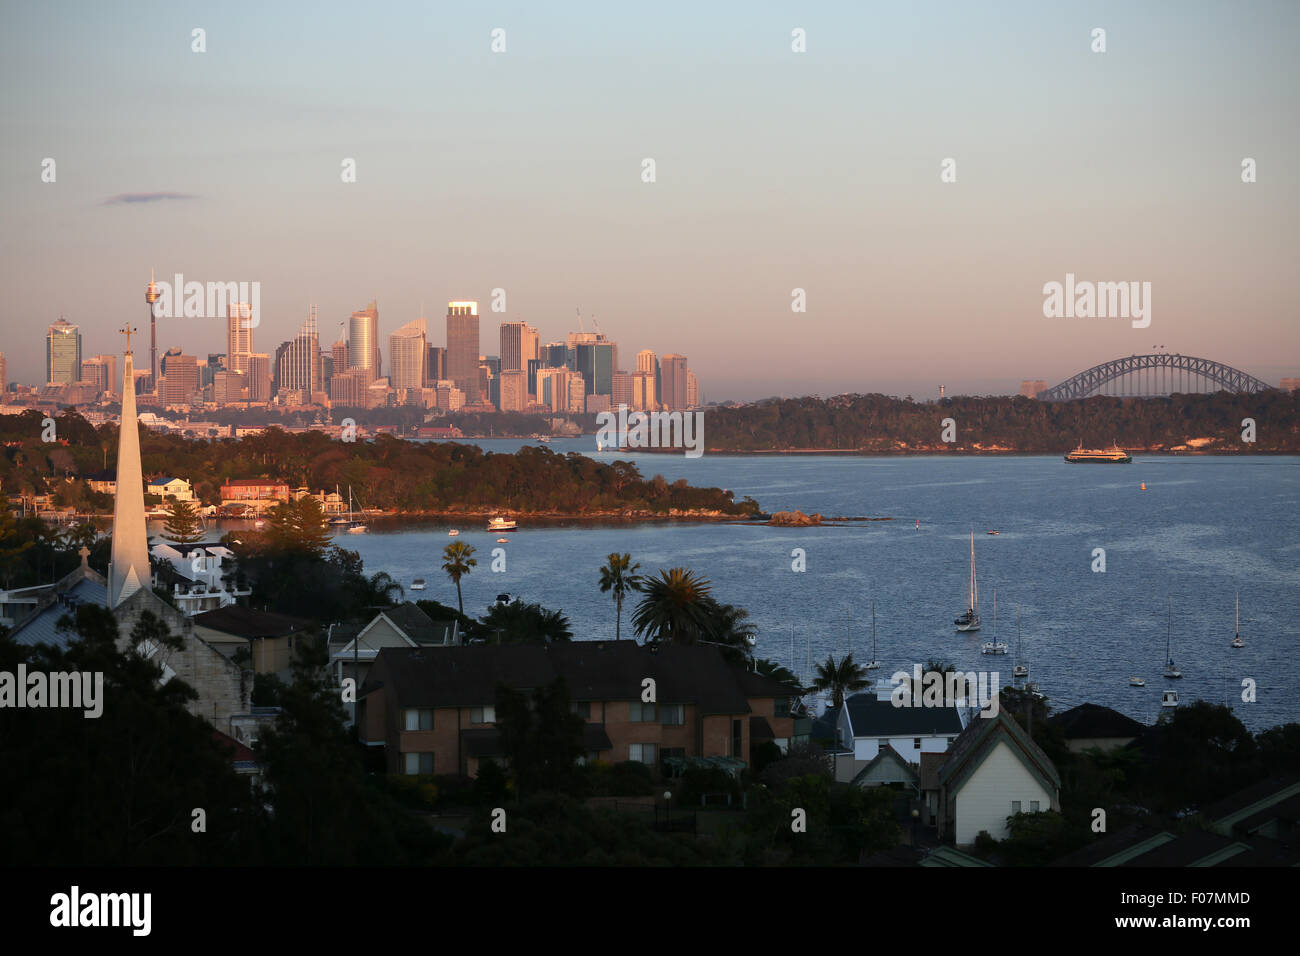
{"x": 128, "y": 570}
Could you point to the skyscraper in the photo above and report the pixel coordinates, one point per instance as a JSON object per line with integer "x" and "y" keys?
{"x": 180, "y": 378}
{"x": 102, "y": 370}
{"x": 554, "y": 355}
{"x": 239, "y": 336}
{"x": 363, "y": 339}
{"x": 63, "y": 353}
{"x": 435, "y": 367}
{"x": 672, "y": 392}
{"x": 519, "y": 344}
{"x": 297, "y": 362}
{"x": 514, "y": 390}
{"x": 259, "y": 377}
{"x": 647, "y": 361}
{"x": 463, "y": 348}
{"x": 407, "y": 355}
{"x": 692, "y": 390}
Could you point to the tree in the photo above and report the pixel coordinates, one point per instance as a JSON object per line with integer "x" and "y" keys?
{"x": 619, "y": 575}
{"x": 541, "y": 736}
{"x": 675, "y": 608}
{"x": 731, "y": 627}
{"x": 183, "y": 526}
{"x": 457, "y": 563}
{"x": 522, "y": 623}
{"x": 777, "y": 672}
{"x": 840, "y": 679}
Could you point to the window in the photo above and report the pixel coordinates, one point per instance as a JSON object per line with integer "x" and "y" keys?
{"x": 482, "y": 715}
{"x": 1033, "y": 806}
{"x": 418, "y": 719}
{"x": 781, "y": 707}
{"x": 916, "y": 743}
{"x": 419, "y": 763}
{"x": 641, "y": 713}
{"x": 672, "y": 714}
{"x": 645, "y": 753}
{"x": 782, "y": 744}
{"x": 1015, "y": 806}
{"x": 582, "y": 708}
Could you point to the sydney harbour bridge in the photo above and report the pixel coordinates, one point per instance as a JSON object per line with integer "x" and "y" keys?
{"x": 1157, "y": 374}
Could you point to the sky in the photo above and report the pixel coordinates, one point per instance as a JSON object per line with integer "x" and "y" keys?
{"x": 775, "y": 170}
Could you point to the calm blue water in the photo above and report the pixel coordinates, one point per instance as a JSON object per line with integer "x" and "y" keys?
{"x": 1204, "y": 529}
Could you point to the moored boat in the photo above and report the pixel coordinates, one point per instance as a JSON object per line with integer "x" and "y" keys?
{"x": 502, "y": 524}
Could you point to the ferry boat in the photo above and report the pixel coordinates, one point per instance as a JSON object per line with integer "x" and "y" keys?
{"x": 1112, "y": 455}
{"x": 501, "y": 524}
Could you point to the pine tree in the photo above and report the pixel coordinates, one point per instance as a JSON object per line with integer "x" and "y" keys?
{"x": 183, "y": 526}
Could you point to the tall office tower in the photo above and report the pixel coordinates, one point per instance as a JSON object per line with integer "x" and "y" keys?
{"x": 363, "y": 339}
{"x": 407, "y": 355}
{"x": 216, "y": 363}
{"x": 519, "y": 344}
{"x": 228, "y": 387}
{"x": 180, "y": 378}
{"x": 647, "y": 361}
{"x": 672, "y": 392}
{"x": 102, "y": 370}
{"x": 533, "y": 366}
{"x": 554, "y": 355}
{"x": 1030, "y": 388}
{"x": 259, "y": 377}
{"x": 622, "y": 393}
{"x": 514, "y": 390}
{"x": 62, "y": 353}
{"x": 351, "y": 388}
{"x": 692, "y": 390}
{"x": 435, "y": 365}
{"x": 297, "y": 362}
{"x": 239, "y": 336}
{"x": 463, "y": 348}
{"x": 577, "y": 393}
{"x": 553, "y": 388}
{"x": 326, "y": 370}
{"x": 339, "y": 350}
{"x": 643, "y": 392}
{"x": 490, "y": 384}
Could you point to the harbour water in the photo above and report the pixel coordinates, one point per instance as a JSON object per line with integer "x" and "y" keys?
{"x": 1205, "y": 528}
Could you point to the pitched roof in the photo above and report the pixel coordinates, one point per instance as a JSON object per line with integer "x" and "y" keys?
{"x": 246, "y": 622}
{"x": 977, "y": 741}
{"x": 886, "y": 753}
{"x": 594, "y": 670}
{"x": 1239, "y": 807}
{"x": 872, "y": 717}
{"x": 1093, "y": 720}
{"x": 42, "y": 627}
{"x": 414, "y": 623}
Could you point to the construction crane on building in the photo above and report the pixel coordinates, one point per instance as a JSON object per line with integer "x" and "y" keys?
{"x": 579, "y": 311}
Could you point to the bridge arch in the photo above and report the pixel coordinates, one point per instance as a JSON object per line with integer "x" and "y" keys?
{"x": 1158, "y": 370}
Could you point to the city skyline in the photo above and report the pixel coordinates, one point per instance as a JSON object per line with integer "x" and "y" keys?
{"x": 774, "y": 171}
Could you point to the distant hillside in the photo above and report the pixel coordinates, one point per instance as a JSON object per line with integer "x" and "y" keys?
{"x": 881, "y": 424}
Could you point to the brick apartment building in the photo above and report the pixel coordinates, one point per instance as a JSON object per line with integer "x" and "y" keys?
{"x": 432, "y": 708}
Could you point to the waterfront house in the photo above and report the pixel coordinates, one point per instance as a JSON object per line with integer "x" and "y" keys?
{"x": 869, "y": 721}
{"x": 1091, "y": 725}
{"x": 433, "y": 710}
{"x": 992, "y": 771}
{"x": 167, "y": 487}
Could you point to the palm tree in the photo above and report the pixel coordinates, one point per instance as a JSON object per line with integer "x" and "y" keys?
{"x": 778, "y": 672}
{"x": 839, "y": 679}
{"x": 675, "y": 608}
{"x": 457, "y": 563}
{"x": 730, "y": 625}
{"x": 619, "y": 575}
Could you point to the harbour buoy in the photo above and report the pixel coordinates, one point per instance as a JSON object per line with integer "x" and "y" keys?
{"x": 1144, "y": 486}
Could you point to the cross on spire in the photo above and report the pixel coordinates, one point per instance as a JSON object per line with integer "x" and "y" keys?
{"x": 128, "y": 332}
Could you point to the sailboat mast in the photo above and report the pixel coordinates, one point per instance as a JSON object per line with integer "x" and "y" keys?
{"x": 1169, "y": 634}
{"x": 873, "y": 629}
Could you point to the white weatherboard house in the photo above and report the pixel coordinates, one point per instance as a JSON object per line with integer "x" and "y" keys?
{"x": 992, "y": 772}
{"x": 869, "y": 721}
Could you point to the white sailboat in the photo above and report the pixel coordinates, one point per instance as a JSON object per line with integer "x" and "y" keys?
{"x": 1171, "y": 669}
{"x": 1237, "y": 641}
{"x": 873, "y": 664}
{"x": 1020, "y": 670}
{"x": 354, "y": 527}
{"x": 970, "y": 621}
{"x": 994, "y": 646}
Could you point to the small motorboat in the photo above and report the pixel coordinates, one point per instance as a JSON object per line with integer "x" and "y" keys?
{"x": 1169, "y": 698}
{"x": 994, "y": 532}
{"x": 1020, "y": 670}
{"x": 452, "y": 533}
{"x": 503, "y": 540}
{"x": 417, "y": 584}
{"x": 1136, "y": 682}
